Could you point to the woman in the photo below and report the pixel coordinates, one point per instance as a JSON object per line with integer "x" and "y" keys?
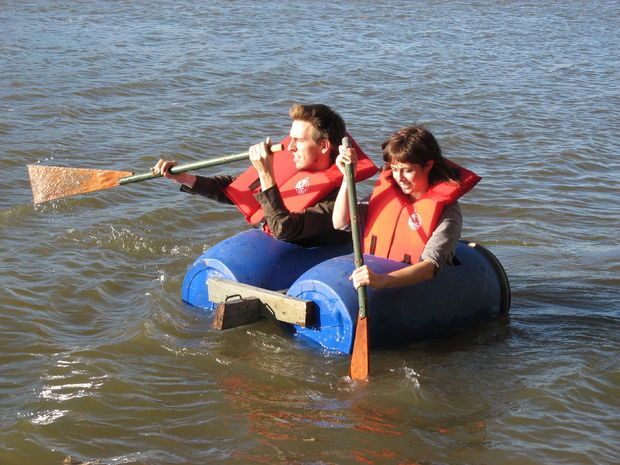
{"x": 413, "y": 214}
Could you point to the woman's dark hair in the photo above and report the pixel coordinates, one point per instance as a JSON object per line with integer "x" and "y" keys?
{"x": 415, "y": 144}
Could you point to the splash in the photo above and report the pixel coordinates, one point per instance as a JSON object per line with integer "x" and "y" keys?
{"x": 412, "y": 378}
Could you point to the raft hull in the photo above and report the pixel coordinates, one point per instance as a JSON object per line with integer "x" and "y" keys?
{"x": 472, "y": 291}
{"x": 255, "y": 258}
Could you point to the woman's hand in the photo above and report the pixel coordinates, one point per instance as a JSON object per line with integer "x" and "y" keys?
{"x": 162, "y": 167}
{"x": 364, "y": 276}
{"x": 346, "y": 156}
{"x": 407, "y": 276}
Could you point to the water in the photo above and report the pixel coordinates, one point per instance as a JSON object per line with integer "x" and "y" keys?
{"x": 102, "y": 361}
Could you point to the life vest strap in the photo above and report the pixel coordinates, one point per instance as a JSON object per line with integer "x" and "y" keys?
{"x": 300, "y": 189}
{"x": 373, "y": 244}
{"x": 398, "y": 227}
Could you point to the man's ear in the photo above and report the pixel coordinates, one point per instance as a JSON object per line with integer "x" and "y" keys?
{"x": 326, "y": 146}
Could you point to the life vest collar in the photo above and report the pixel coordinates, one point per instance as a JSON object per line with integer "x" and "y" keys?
{"x": 299, "y": 189}
{"x": 399, "y": 228}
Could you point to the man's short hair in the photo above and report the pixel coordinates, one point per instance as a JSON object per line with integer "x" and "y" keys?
{"x": 326, "y": 123}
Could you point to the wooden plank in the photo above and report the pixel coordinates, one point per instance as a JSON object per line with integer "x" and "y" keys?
{"x": 237, "y": 312}
{"x": 275, "y": 305}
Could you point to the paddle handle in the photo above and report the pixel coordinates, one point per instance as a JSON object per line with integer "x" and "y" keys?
{"x": 196, "y": 165}
{"x": 355, "y": 229}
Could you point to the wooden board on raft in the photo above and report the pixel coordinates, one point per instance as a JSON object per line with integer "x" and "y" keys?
{"x": 240, "y": 304}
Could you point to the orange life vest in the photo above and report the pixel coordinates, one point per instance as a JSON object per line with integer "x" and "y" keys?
{"x": 397, "y": 228}
{"x": 299, "y": 189}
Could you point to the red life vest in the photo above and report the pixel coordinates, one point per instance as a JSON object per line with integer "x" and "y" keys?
{"x": 299, "y": 189}
{"x": 397, "y": 228}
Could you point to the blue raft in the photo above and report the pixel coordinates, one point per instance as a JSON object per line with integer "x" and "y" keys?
{"x": 474, "y": 290}
{"x": 255, "y": 258}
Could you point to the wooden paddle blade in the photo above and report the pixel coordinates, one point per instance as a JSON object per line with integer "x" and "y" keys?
{"x": 54, "y": 182}
{"x": 359, "y": 357}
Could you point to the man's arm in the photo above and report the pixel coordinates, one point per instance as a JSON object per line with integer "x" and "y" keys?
{"x": 211, "y": 187}
{"x": 261, "y": 158}
{"x": 296, "y": 226}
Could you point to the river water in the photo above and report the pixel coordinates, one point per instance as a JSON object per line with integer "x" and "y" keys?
{"x": 101, "y": 360}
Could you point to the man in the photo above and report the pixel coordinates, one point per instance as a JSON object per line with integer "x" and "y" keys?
{"x": 290, "y": 193}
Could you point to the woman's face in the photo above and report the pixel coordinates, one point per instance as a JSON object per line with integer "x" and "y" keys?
{"x": 412, "y": 178}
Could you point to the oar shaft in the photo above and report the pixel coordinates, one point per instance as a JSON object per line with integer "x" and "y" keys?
{"x": 355, "y": 233}
{"x": 195, "y": 166}
{"x": 188, "y": 167}
{"x": 359, "y": 357}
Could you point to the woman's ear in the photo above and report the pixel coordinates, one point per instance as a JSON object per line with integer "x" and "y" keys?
{"x": 428, "y": 166}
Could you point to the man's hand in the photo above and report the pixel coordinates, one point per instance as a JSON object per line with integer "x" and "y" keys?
{"x": 262, "y": 159}
{"x": 163, "y": 167}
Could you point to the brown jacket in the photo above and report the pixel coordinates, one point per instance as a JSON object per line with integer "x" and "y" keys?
{"x": 309, "y": 228}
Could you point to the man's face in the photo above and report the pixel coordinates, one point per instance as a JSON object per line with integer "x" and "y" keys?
{"x": 308, "y": 154}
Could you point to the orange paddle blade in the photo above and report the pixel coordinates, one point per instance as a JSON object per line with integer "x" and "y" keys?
{"x": 359, "y": 357}
{"x": 55, "y": 182}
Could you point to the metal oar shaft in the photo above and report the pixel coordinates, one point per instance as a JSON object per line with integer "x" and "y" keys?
{"x": 196, "y": 165}
{"x": 355, "y": 234}
{"x": 188, "y": 167}
{"x": 359, "y": 357}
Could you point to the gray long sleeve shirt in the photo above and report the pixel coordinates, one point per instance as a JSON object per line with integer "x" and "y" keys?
{"x": 441, "y": 245}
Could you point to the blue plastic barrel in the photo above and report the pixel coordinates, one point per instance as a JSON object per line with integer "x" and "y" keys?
{"x": 472, "y": 291}
{"x": 253, "y": 257}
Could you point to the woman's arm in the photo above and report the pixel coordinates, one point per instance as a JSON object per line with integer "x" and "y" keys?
{"x": 437, "y": 254}
{"x": 441, "y": 245}
{"x": 340, "y": 215}
{"x": 413, "y": 274}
